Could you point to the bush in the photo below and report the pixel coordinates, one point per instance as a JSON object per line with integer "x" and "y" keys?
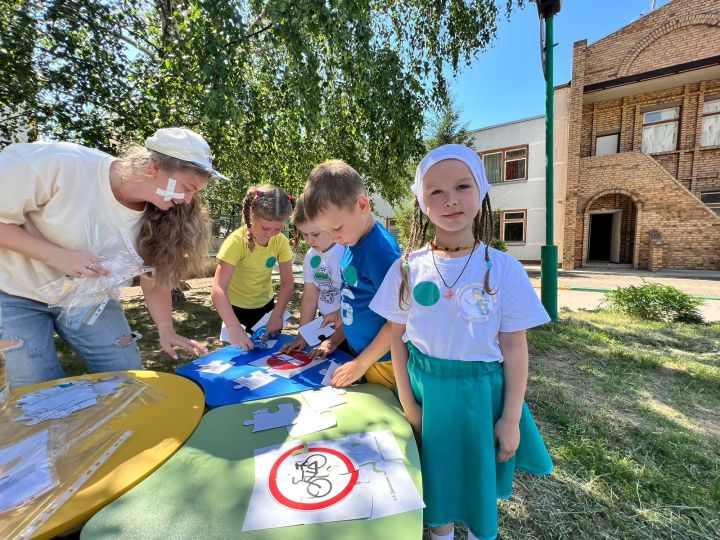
{"x": 655, "y": 302}
{"x": 499, "y": 245}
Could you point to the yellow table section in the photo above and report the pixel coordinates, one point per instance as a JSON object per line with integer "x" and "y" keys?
{"x": 159, "y": 429}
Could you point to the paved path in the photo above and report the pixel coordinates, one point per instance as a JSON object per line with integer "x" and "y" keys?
{"x": 584, "y": 288}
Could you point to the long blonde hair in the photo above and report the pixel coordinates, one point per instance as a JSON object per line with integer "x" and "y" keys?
{"x": 174, "y": 242}
{"x": 482, "y": 232}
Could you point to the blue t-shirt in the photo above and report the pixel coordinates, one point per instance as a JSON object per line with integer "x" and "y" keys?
{"x": 364, "y": 266}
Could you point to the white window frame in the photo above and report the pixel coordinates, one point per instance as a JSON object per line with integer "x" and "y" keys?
{"x": 714, "y": 116}
{"x": 649, "y": 125}
{"x": 715, "y": 207}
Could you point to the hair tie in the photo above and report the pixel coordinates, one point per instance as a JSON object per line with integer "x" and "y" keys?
{"x": 291, "y": 198}
{"x": 256, "y": 193}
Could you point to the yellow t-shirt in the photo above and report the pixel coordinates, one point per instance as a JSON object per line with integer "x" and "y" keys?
{"x": 251, "y": 283}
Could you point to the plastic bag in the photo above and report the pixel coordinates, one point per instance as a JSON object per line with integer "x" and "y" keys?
{"x": 5, "y": 346}
{"x": 51, "y": 446}
{"x": 83, "y": 299}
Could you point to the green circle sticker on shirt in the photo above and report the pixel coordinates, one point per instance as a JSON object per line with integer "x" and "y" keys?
{"x": 270, "y": 262}
{"x": 315, "y": 261}
{"x": 350, "y": 275}
{"x": 426, "y": 293}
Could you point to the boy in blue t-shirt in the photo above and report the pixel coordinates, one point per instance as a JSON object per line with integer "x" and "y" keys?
{"x": 336, "y": 200}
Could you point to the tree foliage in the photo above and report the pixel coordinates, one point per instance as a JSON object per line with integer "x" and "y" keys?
{"x": 276, "y": 86}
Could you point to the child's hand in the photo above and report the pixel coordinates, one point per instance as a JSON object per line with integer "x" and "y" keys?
{"x": 298, "y": 345}
{"x": 241, "y": 339}
{"x": 322, "y": 350}
{"x": 347, "y": 374}
{"x": 333, "y": 319}
{"x": 507, "y": 439}
{"x": 274, "y": 325}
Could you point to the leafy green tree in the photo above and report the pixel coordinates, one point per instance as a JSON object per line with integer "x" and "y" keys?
{"x": 276, "y": 86}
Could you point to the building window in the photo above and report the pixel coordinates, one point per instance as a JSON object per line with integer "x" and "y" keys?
{"x": 507, "y": 165}
{"x": 660, "y": 130}
{"x": 711, "y": 123}
{"x": 513, "y": 225}
{"x": 606, "y": 145}
{"x": 712, "y": 199}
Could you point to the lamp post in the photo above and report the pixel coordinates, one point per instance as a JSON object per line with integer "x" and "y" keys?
{"x": 549, "y": 252}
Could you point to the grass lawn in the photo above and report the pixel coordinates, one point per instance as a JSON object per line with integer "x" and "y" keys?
{"x": 630, "y": 411}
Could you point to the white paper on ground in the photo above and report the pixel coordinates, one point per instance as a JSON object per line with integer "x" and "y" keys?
{"x": 311, "y": 332}
{"x": 324, "y": 398}
{"x": 327, "y": 379}
{"x": 264, "y": 419}
{"x": 255, "y": 380}
{"x": 311, "y": 421}
{"x": 25, "y": 471}
{"x": 265, "y": 318}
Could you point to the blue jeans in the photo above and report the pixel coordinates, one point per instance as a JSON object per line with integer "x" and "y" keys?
{"x": 107, "y": 345}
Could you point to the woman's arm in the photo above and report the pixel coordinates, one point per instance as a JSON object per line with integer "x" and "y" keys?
{"x": 70, "y": 262}
{"x": 159, "y": 304}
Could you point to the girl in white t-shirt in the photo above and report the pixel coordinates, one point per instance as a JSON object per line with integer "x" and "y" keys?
{"x": 322, "y": 277}
{"x": 459, "y": 310}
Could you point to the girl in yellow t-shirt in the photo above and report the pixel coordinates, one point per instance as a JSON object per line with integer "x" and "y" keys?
{"x": 242, "y": 289}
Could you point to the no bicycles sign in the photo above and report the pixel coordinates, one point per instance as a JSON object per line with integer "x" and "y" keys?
{"x": 314, "y": 480}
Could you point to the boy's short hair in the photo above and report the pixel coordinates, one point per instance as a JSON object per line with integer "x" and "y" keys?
{"x": 298, "y": 216}
{"x": 331, "y": 183}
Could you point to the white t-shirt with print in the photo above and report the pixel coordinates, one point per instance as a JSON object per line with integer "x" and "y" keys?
{"x": 323, "y": 271}
{"x": 464, "y": 326}
{"x": 59, "y": 192}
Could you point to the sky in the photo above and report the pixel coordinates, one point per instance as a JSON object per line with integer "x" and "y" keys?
{"x": 506, "y": 83}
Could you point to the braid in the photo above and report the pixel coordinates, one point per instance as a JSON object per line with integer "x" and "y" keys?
{"x": 266, "y": 202}
{"x": 247, "y": 206}
{"x": 416, "y": 238}
{"x": 483, "y": 232}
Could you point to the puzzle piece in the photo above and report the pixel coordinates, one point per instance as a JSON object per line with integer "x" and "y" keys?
{"x": 324, "y": 398}
{"x": 216, "y": 367}
{"x": 263, "y": 419}
{"x": 312, "y": 332}
{"x": 310, "y": 421}
{"x": 329, "y": 373}
{"x": 255, "y": 380}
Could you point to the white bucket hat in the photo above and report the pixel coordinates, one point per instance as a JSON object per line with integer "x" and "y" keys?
{"x": 184, "y": 144}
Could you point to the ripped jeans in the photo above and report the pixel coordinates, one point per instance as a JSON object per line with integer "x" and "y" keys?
{"x": 107, "y": 345}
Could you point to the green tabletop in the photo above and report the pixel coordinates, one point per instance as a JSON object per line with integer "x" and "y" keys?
{"x": 203, "y": 491}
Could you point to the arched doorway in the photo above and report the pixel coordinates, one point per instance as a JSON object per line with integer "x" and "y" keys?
{"x": 611, "y": 229}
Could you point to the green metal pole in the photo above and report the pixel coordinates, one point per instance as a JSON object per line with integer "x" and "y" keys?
{"x": 549, "y": 252}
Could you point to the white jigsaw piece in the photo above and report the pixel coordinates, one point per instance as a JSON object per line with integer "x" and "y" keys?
{"x": 263, "y": 419}
{"x": 255, "y": 380}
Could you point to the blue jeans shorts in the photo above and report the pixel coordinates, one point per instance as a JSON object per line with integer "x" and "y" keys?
{"x": 107, "y": 345}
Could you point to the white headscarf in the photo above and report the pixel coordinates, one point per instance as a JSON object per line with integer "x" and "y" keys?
{"x": 451, "y": 151}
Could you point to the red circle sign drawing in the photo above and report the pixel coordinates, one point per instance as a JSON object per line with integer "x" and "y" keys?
{"x": 308, "y": 478}
{"x": 278, "y": 362}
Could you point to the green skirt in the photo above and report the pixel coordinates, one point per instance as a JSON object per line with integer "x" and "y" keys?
{"x": 461, "y": 401}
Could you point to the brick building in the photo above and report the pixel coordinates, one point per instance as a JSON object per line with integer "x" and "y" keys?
{"x": 643, "y": 166}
